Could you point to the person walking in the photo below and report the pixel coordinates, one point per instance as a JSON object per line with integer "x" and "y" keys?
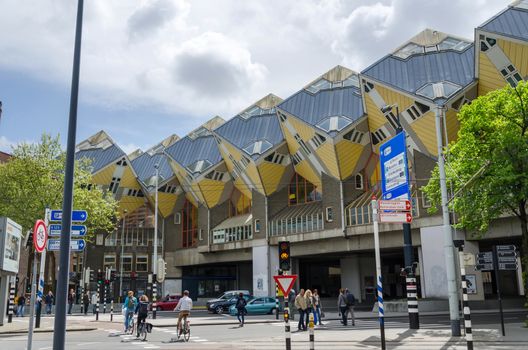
{"x": 86, "y": 301}
{"x": 300, "y": 304}
{"x": 71, "y": 301}
{"x": 342, "y": 306}
{"x": 309, "y": 306}
{"x": 317, "y": 307}
{"x": 291, "y": 302}
{"x": 350, "y": 301}
{"x": 48, "y": 300}
{"x": 21, "y": 302}
{"x": 129, "y": 306}
{"x": 241, "y": 309}
{"x": 94, "y": 302}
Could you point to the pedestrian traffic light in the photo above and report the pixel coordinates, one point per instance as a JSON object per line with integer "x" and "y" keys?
{"x": 284, "y": 256}
{"x": 112, "y": 275}
{"x": 99, "y": 276}
{"x": 92, "y": 275}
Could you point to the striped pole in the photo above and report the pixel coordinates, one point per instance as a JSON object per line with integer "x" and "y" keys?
{"x": 412, "y": 301}
{"x": 82, "y": 295}
{"x": 287, "y": 324}
{"x": 381, "y": 315}
{"x": 465, "y": 301}
{"x": 11, "y": 300}
{"x": 311, "y": 325}
{"x": 97, "y": 304}
{"x": 154, "y": 297}
{"x": 104, "y": 297}
{"x": 112, "y": 310}
{"x": 276, "y": 301}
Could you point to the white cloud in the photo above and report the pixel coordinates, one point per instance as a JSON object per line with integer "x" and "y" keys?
{"x": 202, "y": 57}
{"x": 129, "y": 147}
{"x": 6, "y": 145}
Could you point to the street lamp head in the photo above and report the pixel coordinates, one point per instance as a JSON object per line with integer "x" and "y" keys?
{"x": 387, "y": 108}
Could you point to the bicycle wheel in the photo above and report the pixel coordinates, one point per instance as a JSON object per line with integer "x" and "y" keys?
{"x": 143, "y": 331}
{"x": 187, "y": 334}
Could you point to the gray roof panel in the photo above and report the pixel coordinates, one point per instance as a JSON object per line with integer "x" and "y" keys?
{"x": 100, "y": 157}
{"x": 312, "y": 108}
{"x": 241, "y": 132}
{"x": 512, "y": 22}
{"x": 144, "y": 167}
{"x": 416, "y": 71}
{"x": 187, "y": 151}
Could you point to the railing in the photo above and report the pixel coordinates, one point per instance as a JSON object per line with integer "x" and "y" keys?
{"x": 232, "y": 234}
{"x": 299, "y": 224}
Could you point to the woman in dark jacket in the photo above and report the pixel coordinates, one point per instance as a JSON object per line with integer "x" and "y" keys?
{"x": 241, "y": 308}
{"x": 86, "y": 301}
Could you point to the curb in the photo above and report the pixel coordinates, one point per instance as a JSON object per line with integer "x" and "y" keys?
{"x": 25, "y": 331}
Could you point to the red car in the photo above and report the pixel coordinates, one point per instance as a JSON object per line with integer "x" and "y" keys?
{"x": 167, "y": 303}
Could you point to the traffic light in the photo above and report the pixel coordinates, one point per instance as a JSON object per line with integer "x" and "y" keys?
{"x": 133, "y": 275}
{"x": 162, "y": 270}
{"x": 92, "y": 275}
{"x": 284, "y": 256}
{"x": 112, "y": 275}
{"x": 99, "y": 276}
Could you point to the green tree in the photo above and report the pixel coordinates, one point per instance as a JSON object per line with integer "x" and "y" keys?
{"x": 34, "y": 179}
{"x": 493, "y": 138}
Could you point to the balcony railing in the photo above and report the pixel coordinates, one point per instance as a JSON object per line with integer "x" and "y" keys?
{"x": 297, "y": 224}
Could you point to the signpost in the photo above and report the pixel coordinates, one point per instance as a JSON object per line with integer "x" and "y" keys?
{"x": 396, "y": 195}
{"x": 76, "y": 245}
{"x": 76, "y": 230}
{"x": 502, "y": 258}
{"x": 77, "y": 215}
{"x": 285, "y": 283}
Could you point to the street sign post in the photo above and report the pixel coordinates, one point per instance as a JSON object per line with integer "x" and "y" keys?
{"x": 77, "y": 215}
{"x": 285, "y": 284}
{"x": 76, "y": 245}
{"x": 40, "y": 236}
{"x": 395, "y": 217}
{"x": 76, "y": 230}
{"x": 399, "y": 205}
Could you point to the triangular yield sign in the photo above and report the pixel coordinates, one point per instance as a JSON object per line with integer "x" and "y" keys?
{"x": 285, "y": 283}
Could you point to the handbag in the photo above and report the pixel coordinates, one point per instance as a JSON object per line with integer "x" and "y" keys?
{"x": 123, "y": 311}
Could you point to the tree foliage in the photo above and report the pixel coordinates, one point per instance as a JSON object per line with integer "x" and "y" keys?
{"x": 493, "y": 138}
{"x": 34, "y": 179}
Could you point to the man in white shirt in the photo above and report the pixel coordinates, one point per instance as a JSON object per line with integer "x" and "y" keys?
{"x": 184, "y": 307}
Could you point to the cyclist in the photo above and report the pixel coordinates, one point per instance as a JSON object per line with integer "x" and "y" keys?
{"x": 184, "y": 307}
{"x": 129, "y": 306}
{"x": 142, "y": 312}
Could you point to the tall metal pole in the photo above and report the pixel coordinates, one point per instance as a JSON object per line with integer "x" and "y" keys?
{"x": 155, "y": 265}
{"x": 59, "y": 334}
{"x": 121, "y": 257}
{"x": 448, "y": 235}
{"x": 379, "y": 282}
{"x": 32, "y": 301}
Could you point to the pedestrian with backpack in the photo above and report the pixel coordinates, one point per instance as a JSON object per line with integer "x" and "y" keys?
{"x": 241, "y": 309}
{"x": 142, "y": 312}
{"x": 350, "y": 302}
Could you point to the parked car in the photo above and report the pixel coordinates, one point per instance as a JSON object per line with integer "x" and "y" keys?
{"x": 258, "y": 306}
{"x": 224, "y": 302}
{"x": 167, "y": 303}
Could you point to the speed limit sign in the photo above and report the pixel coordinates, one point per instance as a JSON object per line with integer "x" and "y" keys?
{"x": 40, "y": 236}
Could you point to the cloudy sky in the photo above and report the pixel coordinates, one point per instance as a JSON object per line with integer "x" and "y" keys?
{"x": 151, "y": 68}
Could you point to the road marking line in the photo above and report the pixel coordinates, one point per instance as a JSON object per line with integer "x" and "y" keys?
{"x": 83, "y": 344}
{"x": 199, "y": 340}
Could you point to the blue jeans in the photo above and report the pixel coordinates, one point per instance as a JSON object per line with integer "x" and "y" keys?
{"x": 240, "y": 315}
{"x": 48, "y": 308}
{"x": 317, "y": 314}
{"x": 128, "y": 315}
{"x": 20, "y": 311}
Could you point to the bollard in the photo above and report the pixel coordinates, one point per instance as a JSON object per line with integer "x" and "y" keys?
{"x": 11, "y": 300}
{"x": 412, "y": 302}
{"x": 465, "y": 301}
{"x": 111, "y": 310}
{"x": 82, "y": 296}
{"x": 154, "y": 298}
{"x": 276, "y": 301}
{"x": 311, "y": 325}
{"x": 104, "y": 298}
{"x": 287, "y": 324}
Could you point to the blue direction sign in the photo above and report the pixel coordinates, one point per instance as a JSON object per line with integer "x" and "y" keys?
{"x": 77, "y": 215}
{"x": 394, "y": 170}
{"x": 76, "y": 245}
{"x": 76, "y": 230}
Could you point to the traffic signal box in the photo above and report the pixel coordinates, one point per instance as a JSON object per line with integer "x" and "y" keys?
{"x": 99, "y": 276}
{"x": 284, "y": 256}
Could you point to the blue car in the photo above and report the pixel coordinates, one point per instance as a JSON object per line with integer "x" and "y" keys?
{"x": 258, "y": 306}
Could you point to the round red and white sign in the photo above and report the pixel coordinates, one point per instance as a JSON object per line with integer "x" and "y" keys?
{"x": 40, "y": 236}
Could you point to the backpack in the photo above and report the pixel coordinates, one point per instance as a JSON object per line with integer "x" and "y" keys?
{"x": 350, "y": 300}
{"x": 130, "y": 304}
{"x": 143, "y": 308}
{"x": 241, "y": 303}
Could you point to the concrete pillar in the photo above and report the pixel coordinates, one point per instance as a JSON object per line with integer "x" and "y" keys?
{"x": 351, "y": 275}
{"x": 434, "y": 268}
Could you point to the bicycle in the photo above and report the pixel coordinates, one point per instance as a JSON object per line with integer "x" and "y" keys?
{"x": 142, "y": 330}
{"x": 131, "y": 325}
{"x": 185, "y": 330}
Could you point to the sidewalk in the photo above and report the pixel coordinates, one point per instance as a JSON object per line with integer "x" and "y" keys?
{"x": 21, "y": 325}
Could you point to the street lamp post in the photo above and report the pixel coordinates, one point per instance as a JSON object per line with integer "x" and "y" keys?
{"x": 121, "y": 257}
{"x": 155, "y": 264}
{"x": 408, "y": 252}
